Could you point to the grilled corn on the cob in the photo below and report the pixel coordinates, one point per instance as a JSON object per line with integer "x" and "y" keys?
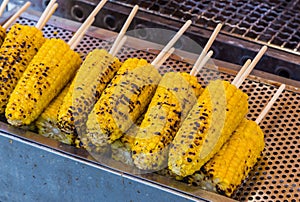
{"x": 122, "y": 102}
{"x": 175, "y": 96}
{"x": 231, "y": 165}
{"x": 91, "y": 79}
{"x": 2, "y": 34}
{"x": 217, "y": 113}
{"x": 19, "y": 47}
{"x": 47, "y": 121}
{"x": 49, "y": 71}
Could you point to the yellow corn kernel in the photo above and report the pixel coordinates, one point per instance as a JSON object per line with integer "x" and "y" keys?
{"x": 49, "y": 71}
{"x": 231, "y": 165}
{"x": 122, "y": 102}
{"x": 19, "y": 47}
{"x": 175, "y": 96}
{"x": 91, "y": 79}
{"x": 217, "y": 113}
{"x": 47, "y": 121}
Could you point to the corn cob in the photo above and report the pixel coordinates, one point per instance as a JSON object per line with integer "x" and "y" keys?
{"x": 122, "y": 102}
{"x": 230, "y": 166}
{"x": 49, "y": 71}
{"x": 217, "y": 113}
{"x": 2, "y": 34}
{"x": 173, "y": 99}
{"x": 121, "y": 153}
{"x": 91, "y": 79}
{"x": 47, "y": 121}
{"x": 19, "y": 47}
{"x": 121, "y": 149}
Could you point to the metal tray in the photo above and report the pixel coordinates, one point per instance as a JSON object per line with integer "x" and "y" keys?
{"x": 30, "y": 160}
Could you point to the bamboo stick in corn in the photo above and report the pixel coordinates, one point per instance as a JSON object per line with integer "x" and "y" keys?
{"x": 173, "y": 99}
{"x": 210, "y": 123}
{"x": 231, "y": 165}
{"x": 92, "y": 65}
{"x": 91, "y": 79}
{"x": 50, "y": 70}
{"x": 18, "y": 49}
{"x": 124, "y": 99}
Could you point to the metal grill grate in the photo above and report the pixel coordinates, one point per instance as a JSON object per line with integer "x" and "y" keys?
{"x": 276, "y": 176}
{"x": 272, "y": 22}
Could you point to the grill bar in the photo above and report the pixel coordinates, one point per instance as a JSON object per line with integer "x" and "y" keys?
{"x": 267, "y": 22}
{"x": 248, "y": 25}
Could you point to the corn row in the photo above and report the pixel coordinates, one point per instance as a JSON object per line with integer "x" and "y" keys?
{"x": 231, "y": 165}
{"x": 2, "y": 35}
{"x": 175, "y": 96}
{"x": 91, "y": 79}
{"x": 122, "y": 102}
{"x": 47, "y": 121}
{"x": 19, "y": 47}
{"x": 217, "y": 113}
{"x": 49, "y": 71}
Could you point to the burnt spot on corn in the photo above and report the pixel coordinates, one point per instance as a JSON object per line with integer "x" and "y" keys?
{"x": 98, "y": 65}
{"x": 205, "y": 135}
{"x": 54, "y": 60}
{"x": 238, "y": 155}
{"x": 173, "y": 99}
{"x": 15, "y": 56}
{"x": 124, "y": 99}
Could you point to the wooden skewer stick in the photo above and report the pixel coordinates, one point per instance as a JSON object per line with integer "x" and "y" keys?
{"x": 44, "y": 15}
{"x": 84, "y": 26}
{"x": 81, "y": 31}
{"x": 206, "y": 48}
{"x": 97, "y": 9}
{"x": 241, "y": 72}
{"x": 119, "y": 46}
{"x": 165, "y": 57}
{"x": 52, "y": 10}
{"x": 171, "y": 42}
{"x": 124, "y": 29}
{"x": 202, "y": 63}
{"x": 270, "y": 104}
{"x": 251, "y": 66}
{"x": 16, "y": 15}
{"x": 3, "y": 5}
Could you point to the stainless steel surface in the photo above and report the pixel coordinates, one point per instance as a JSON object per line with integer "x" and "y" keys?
{"x": 275, "y": 177}
{"x": 32, "y": 172}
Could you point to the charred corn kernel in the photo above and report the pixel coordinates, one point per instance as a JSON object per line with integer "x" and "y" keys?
{"x": 19, "y": 47}
{"x": 91, "y": 79}
{"x": 48, "y": 72}
{"x": 175, "y": 96}
{"x": 47, "y": 121}
{"x": 122, "y": 102}
{"x": 231, "y": 165}
{"x": 2, "y": 34}
{"x": 217, "y": 113}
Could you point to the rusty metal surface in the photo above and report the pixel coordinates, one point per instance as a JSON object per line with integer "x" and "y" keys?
{"x": 276, "y": 176}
